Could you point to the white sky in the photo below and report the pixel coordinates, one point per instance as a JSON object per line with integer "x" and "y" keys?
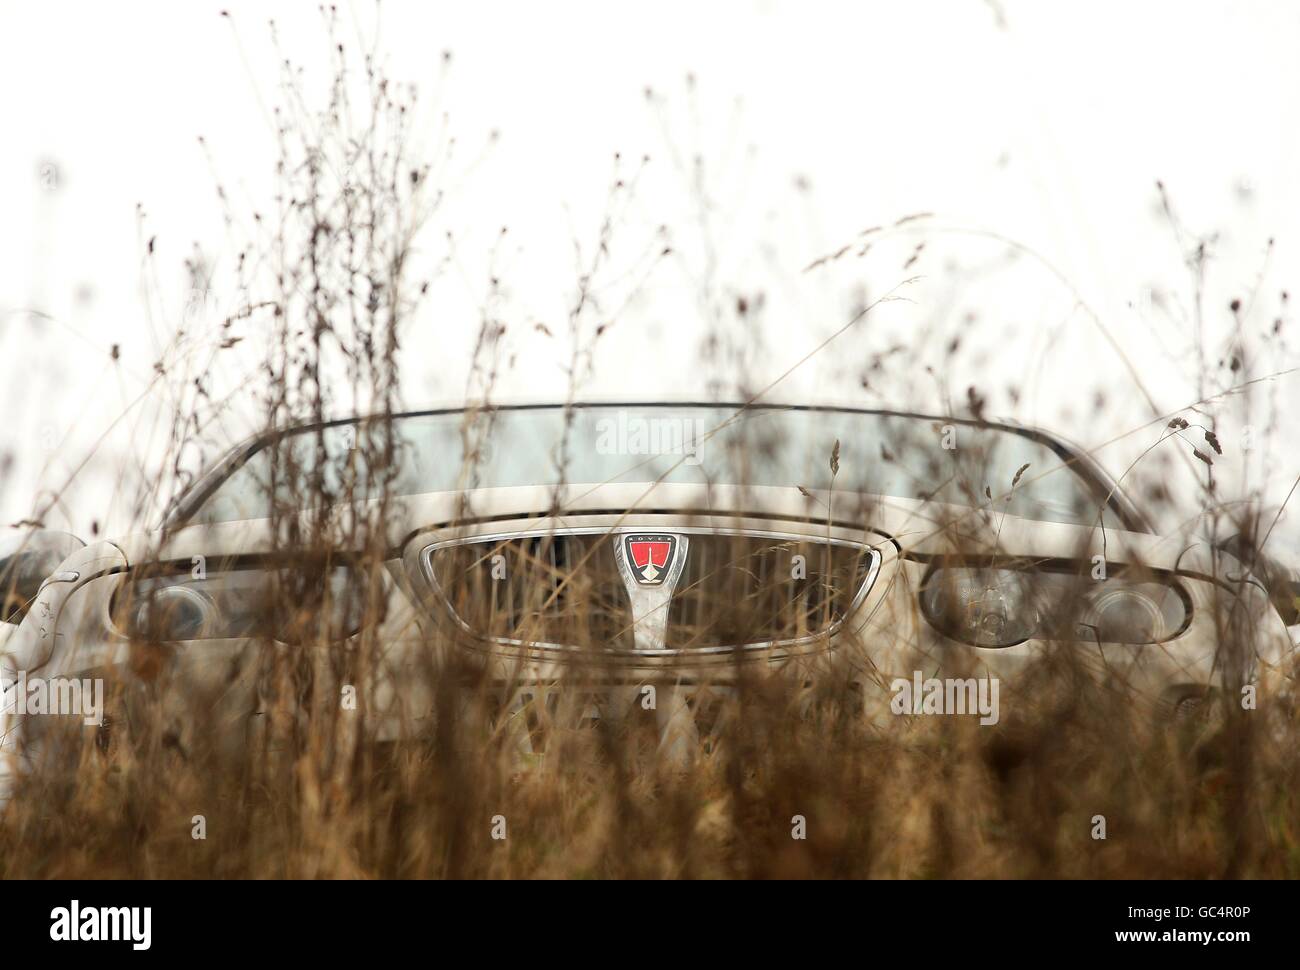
{"x": 1050, "y": 130}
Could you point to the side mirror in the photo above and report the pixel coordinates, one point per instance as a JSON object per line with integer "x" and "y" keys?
{"x": 1284, "y": 591}
{"x": 1281, "y": 581}
{"x": 26, "y": 559}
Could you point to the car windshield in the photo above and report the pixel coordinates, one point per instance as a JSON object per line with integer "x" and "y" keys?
{"x": 901, "y": 456}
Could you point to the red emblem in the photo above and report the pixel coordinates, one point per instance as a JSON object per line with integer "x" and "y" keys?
{"x": 650, "y": 557}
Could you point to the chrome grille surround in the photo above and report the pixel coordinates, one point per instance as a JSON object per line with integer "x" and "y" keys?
{"x": 601, "y": 541}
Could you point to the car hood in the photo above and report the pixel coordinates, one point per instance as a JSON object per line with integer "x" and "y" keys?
{"x": 918, "y": 527}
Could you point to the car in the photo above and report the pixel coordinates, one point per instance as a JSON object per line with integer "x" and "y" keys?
{"x": 644, "y": 557}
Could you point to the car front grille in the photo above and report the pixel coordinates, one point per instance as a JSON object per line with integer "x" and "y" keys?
{"x": 565, "y": 590}
{"x": 741, "y": 590}
{"x": 558, "y": 588}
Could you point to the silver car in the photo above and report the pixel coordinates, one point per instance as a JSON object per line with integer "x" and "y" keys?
{"x": 606, "y": 558}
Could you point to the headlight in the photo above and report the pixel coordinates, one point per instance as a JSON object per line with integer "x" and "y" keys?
{"x": 293, "y": 604}
{"x": 1003, "y": 607}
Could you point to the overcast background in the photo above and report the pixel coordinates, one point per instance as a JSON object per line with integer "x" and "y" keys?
{"x": 1043, "y": 124}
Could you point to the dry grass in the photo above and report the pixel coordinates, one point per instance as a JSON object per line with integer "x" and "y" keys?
{"x": 930, "y": 798}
